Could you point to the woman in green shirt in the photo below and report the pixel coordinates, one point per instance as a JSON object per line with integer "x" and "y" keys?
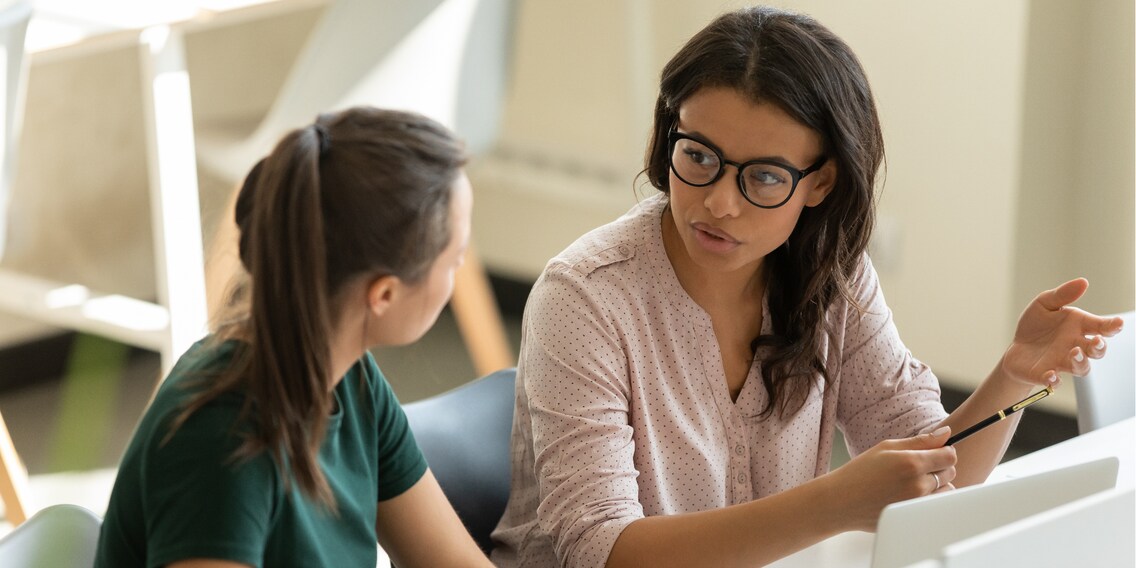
{"x": 276, "y": 441}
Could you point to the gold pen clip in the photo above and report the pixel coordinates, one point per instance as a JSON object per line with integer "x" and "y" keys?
{"x": 1032, "y": 399}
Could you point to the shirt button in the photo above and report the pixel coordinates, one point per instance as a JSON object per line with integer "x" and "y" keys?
{"x": 741, "y": 478}
{"x": 624, "y": 250}
{"x": 739, "y": 449}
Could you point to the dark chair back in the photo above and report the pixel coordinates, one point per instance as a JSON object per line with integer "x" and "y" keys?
{"x": 464, "y": 434}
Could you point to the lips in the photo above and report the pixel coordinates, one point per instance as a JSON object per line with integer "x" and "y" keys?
{"x": 713, "y": 239}
{"x": 715, "y": 232}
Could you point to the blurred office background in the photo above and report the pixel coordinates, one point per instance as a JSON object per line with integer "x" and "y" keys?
{"x": 1009, "y": 128}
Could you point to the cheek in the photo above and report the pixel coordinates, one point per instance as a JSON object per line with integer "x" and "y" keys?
{"x": 440, "y": 288}
{"x": 681, "y": 196}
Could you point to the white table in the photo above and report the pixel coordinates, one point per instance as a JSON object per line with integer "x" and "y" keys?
{"x": 854, "y": 549}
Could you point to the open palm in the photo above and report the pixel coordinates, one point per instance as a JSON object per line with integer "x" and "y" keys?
{"x": 1054, "y": 337}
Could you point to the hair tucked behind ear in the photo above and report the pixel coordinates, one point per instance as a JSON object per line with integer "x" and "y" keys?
{"x": 361, "y": 193}
{"x": 793, "y": 62}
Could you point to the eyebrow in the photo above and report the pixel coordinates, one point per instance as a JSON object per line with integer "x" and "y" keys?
{"x": 706, "y": 139}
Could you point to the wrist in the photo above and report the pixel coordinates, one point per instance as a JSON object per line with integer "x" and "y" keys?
{"x": 832, "y": 516}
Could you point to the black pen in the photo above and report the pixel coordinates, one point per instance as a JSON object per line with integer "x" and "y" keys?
{"x": 1001, "y": 415}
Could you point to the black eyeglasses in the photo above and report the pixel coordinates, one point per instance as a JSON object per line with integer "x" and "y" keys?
{"x": 765, "y": 183}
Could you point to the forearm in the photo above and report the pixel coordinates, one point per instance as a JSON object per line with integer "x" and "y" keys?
{"x": 981, "y": 452}
{"x": 749, "y": 534}
{"x": 420, "y": 528}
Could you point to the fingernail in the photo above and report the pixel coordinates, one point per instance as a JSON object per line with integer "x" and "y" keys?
{"x": 1078, "y": 355}
{"x": 941, "y": 430}
{"x": 1100, "y": 343}
{"x": 1052, "y": 378}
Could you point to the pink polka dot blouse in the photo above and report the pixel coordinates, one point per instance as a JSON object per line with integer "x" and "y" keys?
{"x": 623, "y": 409}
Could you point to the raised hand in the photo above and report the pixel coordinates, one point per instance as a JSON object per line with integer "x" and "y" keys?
{"x": 1054, "y": 337}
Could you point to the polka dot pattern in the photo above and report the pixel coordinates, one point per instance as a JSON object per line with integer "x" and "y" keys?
{"x": 623, "y": 409}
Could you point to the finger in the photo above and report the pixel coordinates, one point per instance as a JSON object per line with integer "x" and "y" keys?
{"x": 1052, "y": 379}
{"x": 925, "y": 441}
{"x": 1107, "y": 327}
{"x": 939, "y": 459}
{"x": 945, "y": 487}
{"x": 1078, "y": 362}
{"x": 948, "y": 475}
{"x": 1094, "y": 346}
{"x": 1063, "y": 295}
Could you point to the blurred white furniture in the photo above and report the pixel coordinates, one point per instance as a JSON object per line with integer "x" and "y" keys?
{"x": 446, "y": 59}
{"x": 917, "y": 529}
{"x": 60, "y": 536}
{"x": 14, "y": 20}
{"x": 854, "y": 549}
{"x": 1107, "y": 394}
{"x": 1093, "y": 532}
{"x": 170, "y": 322}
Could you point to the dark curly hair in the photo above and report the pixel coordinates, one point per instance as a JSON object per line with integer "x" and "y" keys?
{"x": 791, "y": 61}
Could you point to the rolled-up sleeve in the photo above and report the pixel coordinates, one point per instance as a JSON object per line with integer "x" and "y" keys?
{"x": 574, "y": 370}
{"x": 885, "y": 391}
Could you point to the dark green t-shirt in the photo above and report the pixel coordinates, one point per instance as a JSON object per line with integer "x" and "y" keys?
{"x": 185, "y": 499}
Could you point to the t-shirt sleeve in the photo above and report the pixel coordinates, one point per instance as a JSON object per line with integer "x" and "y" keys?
{"x": 401, "y": 463}
{"x": 200, "y": 504}
{"x": 885, "y": 392}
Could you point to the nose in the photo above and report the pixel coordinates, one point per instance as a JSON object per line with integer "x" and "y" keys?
{"x": 723, "y": 198}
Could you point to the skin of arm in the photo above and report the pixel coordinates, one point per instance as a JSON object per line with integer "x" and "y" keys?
{"x": 420, "y": 528}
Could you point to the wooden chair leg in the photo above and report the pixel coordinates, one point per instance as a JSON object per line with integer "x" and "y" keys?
{"x": 479, "y": 319}
{"x": 13, "y": 479}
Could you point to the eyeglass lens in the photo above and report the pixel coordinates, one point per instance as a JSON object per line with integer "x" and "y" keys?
{"x": 699, "y": 165}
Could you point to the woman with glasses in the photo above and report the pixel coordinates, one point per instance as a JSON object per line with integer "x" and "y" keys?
{"x": 684, "y": 369}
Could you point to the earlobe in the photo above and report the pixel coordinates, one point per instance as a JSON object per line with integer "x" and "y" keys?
{"x": 381, "y": 293}
{"x": 825, "y": 182}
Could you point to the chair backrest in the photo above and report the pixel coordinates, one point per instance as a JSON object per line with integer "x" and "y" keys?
{"x": 14, "y": 20}
{"x": 447, "y": 59}
{"x": 60, "y": 536}
{"x": 464, "y": 434}
{"x": 1107, "y": 394}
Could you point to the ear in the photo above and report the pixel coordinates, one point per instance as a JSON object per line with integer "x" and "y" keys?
{"x": 382, "y": 292}
{"x": 822, "y": 185}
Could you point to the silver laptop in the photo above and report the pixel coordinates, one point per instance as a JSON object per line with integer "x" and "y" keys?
{"x": 916, "y": 530}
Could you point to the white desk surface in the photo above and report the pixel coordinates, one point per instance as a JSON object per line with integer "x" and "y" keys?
{"x": 854, "y": 549}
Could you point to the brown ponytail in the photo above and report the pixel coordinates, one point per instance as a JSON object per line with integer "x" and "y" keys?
{"x": 364, "y": 192}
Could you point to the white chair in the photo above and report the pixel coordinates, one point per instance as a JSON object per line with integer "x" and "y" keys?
{"x": 1108, "y": 393}
{"x": 174, "y": 319}
{"x": 60, "y": 536}
{"x": 446, "y": 59}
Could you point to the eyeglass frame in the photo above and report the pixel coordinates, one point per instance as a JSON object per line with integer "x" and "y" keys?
{"x": 797, "y": 175}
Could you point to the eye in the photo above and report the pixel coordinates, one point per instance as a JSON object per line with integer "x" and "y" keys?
{"x": 700, "y": 157}
{"x": 766, "y": 175}
{"x": 697, "y": 154}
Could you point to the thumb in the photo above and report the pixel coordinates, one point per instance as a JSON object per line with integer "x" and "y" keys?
{"x": 930, "y": 440}
{"x": 1064, "y": 294}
